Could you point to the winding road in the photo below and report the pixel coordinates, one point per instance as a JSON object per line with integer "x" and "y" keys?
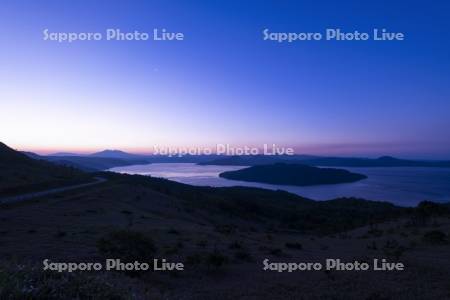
{"x": 28, "y": 196}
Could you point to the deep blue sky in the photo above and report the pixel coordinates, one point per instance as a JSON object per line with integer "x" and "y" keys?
{"x": 223, "y": 83}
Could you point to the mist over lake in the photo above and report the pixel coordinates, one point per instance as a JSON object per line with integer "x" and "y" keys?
{"x": 404, "y": 186}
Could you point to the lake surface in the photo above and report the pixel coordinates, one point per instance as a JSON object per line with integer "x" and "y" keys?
{"x": 403, "y": 186}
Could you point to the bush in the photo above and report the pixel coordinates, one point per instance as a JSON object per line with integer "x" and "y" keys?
{"x": 243, "y": 255}
{"x": 435, "y": 237}
{"x": 173, "y": 231}
{"x": 60, "y": 234}
{"x": 393, "y": 249}
{"x": 235, "y": 245}
{"x": 216, "y": 259}
{"x": 128, "y": 246}
{"x": 194, "y": 259}
{"x": 226, "y": 229}
{"x": 375, "y": 232}
{"x": 276, "y": 252}
{"x": 202, "y": 243}
{"x": 294, "y": 245}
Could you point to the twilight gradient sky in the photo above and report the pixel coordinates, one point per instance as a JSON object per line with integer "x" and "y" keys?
{"x": 223, "y": 83}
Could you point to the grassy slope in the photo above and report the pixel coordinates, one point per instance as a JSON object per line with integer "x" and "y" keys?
{"x": 239, "y": 227}
{"x": 20, "y": 173}
{"x": 285, "y": 209}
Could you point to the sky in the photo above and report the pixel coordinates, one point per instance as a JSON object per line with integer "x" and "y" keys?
{"x": 225, "y": 84}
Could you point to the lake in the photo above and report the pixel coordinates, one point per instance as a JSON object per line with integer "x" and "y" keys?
{"x": 405, "y": 186}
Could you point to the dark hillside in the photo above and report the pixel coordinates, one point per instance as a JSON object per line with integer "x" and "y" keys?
{"x": 20, "y": 173}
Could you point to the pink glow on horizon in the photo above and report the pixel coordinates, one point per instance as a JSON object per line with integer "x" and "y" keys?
{"x": 343, "y": 149}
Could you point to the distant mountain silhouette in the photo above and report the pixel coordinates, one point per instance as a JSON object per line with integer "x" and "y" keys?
{"x": 384, "y": 161}
{"x": 107, "y": 159}
{"x": 292, "y": 174}
{"x": 116, "y": 154}
{"x": 89, "y": 163}
{"x": 155, "y": 158}
{"x": 65, "y": 154}
{"x": 253, "y": 160}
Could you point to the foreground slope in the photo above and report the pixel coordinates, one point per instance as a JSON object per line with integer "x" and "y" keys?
{"x": 222, "y": 236}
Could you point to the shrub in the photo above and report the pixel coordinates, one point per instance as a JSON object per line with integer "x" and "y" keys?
{"x": 243, "y": 255}
{"x": 435, "y": 237}
{"x": 235, "y": 245}
{"x": 60, "y": 234}
{"x": 202, "y": 243}
{"x": 216, "y": 259}
{"x": 375, "y": 232}
{"x": 372, "y": 246}
{"x": 226, "y": 229}
{"x": 294, "y": 245}
{"x": 127, "y": 245}
{"x": 393, "y": 248}
{"x": 194, "y": 259}
{"x": 276, "y": 251}
{"x": 173, "y": 231}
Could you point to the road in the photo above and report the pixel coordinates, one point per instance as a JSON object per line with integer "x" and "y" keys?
{"x": 24, "y": 197}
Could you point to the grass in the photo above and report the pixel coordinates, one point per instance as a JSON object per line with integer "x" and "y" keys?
{"x": 18, "y": 283}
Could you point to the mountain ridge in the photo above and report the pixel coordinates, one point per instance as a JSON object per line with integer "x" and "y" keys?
{"x": 383, "y": 161}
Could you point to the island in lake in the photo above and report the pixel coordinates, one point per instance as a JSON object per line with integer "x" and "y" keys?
{"x": 293, "y": 174}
